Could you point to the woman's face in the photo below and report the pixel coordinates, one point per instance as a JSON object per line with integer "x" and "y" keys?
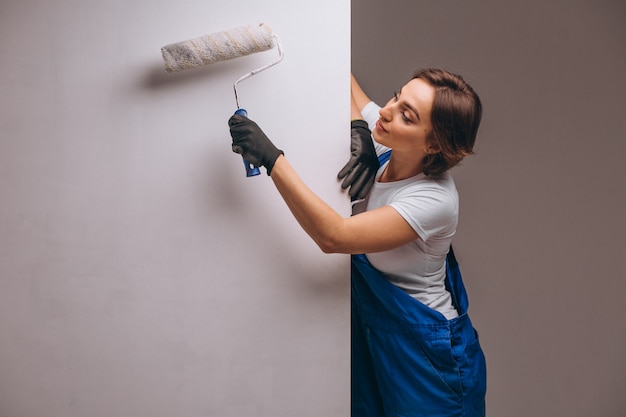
{"x": 404, "y": 123}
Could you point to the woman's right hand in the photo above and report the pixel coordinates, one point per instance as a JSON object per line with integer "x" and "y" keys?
{"x": 251, "y": 142}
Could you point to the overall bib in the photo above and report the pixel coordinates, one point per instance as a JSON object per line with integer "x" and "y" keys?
{"x": 407, "y": 359}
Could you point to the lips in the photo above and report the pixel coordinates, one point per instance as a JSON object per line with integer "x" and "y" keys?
{"x": 379, "y": 127}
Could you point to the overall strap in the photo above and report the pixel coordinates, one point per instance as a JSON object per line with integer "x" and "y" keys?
{"x": 384, "y": 157}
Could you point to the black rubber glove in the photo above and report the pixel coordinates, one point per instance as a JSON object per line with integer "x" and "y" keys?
{"x": 250, "y": 141}
{"x": 360, "y": 171}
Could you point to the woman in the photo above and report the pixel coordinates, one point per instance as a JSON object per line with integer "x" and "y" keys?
{"x": 414, "y": 350}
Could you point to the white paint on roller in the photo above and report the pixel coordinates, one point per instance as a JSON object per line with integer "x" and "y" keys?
{"x": 217, "y": 47}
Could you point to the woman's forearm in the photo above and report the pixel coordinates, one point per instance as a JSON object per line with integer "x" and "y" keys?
{"x": 372, "y": 231}
{"x": 355, "y": 111}
{"x": 358, "y": 95}
{"x": 320, "y": 221}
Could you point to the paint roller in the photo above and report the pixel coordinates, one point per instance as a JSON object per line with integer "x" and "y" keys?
{"x": 222, "y": 46}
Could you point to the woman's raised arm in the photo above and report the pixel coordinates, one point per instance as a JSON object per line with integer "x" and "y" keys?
{"x": 358, "y": 95}
{"x": 372, "y": 231}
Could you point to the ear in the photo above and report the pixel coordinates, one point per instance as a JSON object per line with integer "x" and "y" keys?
{"x": 432, "y": 149}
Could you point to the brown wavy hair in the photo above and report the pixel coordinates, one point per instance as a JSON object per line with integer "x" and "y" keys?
{"x": 455, "y": 118}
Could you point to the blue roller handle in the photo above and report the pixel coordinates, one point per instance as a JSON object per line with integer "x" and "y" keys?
{"x": 251, "y": 170}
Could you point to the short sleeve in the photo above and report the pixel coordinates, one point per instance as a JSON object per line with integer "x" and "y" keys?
{"x": 430, "y": 212}
{"x": 370, "y": 115}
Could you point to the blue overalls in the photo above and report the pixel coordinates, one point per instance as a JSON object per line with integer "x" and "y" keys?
{"x": 407, "y": 359}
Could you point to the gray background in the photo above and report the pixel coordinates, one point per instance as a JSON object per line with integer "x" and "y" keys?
{"x": 542, "y": 230}
{"x": 141, "y": 273}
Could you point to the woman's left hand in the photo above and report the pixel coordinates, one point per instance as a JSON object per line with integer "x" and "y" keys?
{"x": 359, "y": 172}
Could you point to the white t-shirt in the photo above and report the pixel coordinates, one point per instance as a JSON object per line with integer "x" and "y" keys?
{"x": 430, "y": 206}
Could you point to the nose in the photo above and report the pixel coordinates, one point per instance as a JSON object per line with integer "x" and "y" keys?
{"x": 385, "y": 112}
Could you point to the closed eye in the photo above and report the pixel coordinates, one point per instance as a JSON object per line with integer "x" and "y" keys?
{"x": 406, "y": 118}
{"x": 396, "y": 97}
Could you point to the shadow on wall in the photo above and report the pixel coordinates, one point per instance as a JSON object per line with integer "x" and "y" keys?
{"x": 233, "y": 201}
{"x": 156, "y": 77}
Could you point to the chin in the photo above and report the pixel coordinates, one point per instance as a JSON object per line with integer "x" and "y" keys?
{"x": 378, "y": 139}
{"x": 382, "y": 142}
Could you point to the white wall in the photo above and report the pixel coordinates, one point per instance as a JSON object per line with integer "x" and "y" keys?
{"x": 141, "y": 274}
